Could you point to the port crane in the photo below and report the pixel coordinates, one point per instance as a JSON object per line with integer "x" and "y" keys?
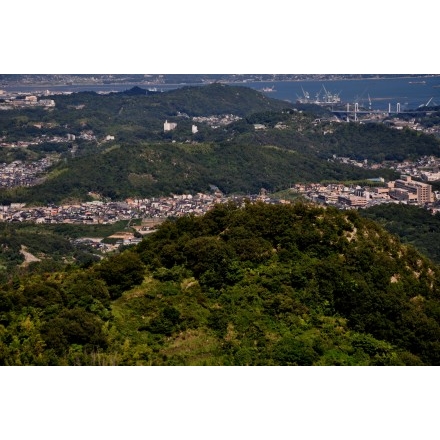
{"x": 306, "y": 94}
{"x": 427, "y": 104}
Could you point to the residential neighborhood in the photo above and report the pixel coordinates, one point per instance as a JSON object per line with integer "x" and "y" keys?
{"x": 98, "y": 212}
{"x": 19, "y": 173}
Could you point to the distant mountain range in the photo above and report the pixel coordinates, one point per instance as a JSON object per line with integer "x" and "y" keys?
{"x": 53, "y": 79}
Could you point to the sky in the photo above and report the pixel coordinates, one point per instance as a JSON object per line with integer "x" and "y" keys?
{"x": 218, "y": 37}
{"x": 231, "y": 36}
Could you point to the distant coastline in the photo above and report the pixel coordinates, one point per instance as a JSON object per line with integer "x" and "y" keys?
{"x": 409, "y": 92}
{"x": 24, "y": 83}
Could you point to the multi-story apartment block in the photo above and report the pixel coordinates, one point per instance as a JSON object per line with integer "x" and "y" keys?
{"x": 423, "y": 191}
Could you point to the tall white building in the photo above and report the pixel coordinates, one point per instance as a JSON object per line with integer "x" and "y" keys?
{"x": 168, "y": 126}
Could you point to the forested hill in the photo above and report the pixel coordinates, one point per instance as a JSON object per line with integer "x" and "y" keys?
{"x": 143, "y": 107}
{"x": 254, "y": 285}
{"x": 156, "y": 169}
{"x": 218, "y": 99}
{"x": 121, "y": 150}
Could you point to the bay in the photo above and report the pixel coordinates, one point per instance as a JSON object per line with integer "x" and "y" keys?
{"x": 377, "y": 94}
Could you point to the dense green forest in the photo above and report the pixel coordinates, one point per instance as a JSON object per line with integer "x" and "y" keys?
{"x": 146, "y": 170}
{"x": 137, "y": 112}
{"x": 377, "y": 142}
{"x": 253, "y": 285}
{"x": 414, "y": 225}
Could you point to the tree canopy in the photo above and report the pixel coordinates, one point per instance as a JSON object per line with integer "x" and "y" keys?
{"x": 257, "y": 284}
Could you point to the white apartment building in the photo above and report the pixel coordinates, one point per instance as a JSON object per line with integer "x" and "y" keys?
{"x": 168, "y": 126}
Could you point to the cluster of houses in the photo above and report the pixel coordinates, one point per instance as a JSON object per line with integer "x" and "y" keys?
{"x": 11, "y": 101}
{"x": 426, "y": 168}
{"x": 152, "y": 211}
{"x": 400, "y": 124}
{"x": 56, "y": 139}
{"x": 98, "y": 212}
{"x": 84, "y": 213}
{"x": 216, "y": 121}
{"x": 177, "y": 205}
{"x": 18, "y": 173}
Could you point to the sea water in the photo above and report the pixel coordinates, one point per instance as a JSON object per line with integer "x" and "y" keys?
{"x": 376, "y": 94}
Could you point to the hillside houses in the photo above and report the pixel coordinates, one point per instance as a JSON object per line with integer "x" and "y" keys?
{"x": 18, "y": 173}
{"x": 110, "y": 212}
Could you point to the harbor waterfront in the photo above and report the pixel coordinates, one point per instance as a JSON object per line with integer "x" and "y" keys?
{"x": 374, "y": 94}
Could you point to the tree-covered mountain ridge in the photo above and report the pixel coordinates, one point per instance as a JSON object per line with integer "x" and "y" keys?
{"x": 143, "y": 160}
{"x": 258, "y": 284}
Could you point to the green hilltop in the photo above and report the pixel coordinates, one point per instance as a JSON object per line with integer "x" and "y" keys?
{"x": 253, "y": 285}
